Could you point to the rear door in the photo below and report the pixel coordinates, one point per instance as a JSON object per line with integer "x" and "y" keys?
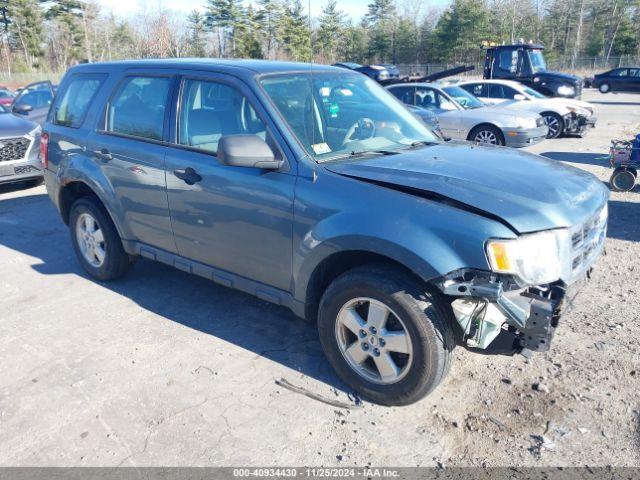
{"x": 129, "y": 147}
{"x": 236, "y": 219}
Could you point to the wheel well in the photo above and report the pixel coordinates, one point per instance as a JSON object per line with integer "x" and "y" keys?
{"x": 335, "y": 265}
{"x": 69, "y": 194}
{"x": 486, "y": 124}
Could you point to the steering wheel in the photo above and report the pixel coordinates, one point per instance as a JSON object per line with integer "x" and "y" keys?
{"x": 362, "y": 129}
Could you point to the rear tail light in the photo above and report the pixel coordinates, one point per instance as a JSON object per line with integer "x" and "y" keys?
{"x": 44, "y": 150}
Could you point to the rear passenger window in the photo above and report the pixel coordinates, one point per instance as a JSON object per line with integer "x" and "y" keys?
{"x": 72, "y": 106}
{"x": 210, "y": 110}
{"x": 137, "y": 109}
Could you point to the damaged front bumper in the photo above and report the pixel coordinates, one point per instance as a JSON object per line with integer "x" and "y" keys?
{"x": 487, "y": 306}
{"x": 577, "y": 124}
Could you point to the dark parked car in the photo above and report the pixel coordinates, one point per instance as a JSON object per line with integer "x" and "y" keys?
{"x": 625, "y": 79}
{"x": 19, "y": 149}
{"x": 34, "y": 101}
{"x": 317, "y": 190}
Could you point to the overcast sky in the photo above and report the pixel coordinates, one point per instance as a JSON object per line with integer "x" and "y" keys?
{"x": 354, "y": 8}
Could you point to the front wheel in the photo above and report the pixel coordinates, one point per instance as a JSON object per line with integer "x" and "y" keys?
{"x": 554, "y": 123}
{"x": 623, "y": 179}
{"x": 604, "y": 87}
{"x": 96, "y": 241}
{"x": 385, "y": 335}
{"x": 487, "y": 134}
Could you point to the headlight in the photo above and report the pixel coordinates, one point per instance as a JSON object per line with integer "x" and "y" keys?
{"x": 534, "y": 258}
{"x": 566, "y": 90}
{"x": 526, "y": 122}
{"x": 35, "y": 132}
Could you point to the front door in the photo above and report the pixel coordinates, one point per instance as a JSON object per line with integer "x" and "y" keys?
{"x": 236, "y": 219}
{"x": 128, "y": 148}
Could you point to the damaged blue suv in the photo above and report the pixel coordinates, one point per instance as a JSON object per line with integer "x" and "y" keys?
{"x": 314, "y": 188}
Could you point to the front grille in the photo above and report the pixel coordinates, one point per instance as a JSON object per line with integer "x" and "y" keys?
{"x": 586, "y": 242}
{"x": 13, "y": 148}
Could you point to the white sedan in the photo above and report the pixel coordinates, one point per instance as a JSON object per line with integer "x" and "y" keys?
{"x": 562, "y": 115}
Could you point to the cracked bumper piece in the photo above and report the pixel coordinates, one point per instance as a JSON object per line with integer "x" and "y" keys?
{"x": 528, "y": 316}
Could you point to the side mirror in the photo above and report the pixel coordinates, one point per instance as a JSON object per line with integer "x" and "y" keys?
{"x": 22, "y": 108}
{"x": 519, "y": 96}
{"x": 246, "y": 151}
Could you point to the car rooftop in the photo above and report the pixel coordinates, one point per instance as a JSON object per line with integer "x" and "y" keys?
{"x": 257, "y": 66}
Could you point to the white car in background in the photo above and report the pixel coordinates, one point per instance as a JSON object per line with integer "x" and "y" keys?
{"x": 562, "y": 115}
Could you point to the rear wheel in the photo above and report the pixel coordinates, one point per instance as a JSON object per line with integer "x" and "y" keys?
{"x": 96, "y": 240}
{"x": 385, "y": 335}
{"x": 555, "y": 123}
{"x": 487, "y": 134}
{"x": 623, "y": 179}
{"x": 604, "y": 87}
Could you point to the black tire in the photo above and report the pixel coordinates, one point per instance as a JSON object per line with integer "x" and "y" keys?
{"x": 555, "y": 120}
{"x": 116, "y": 261}
{"x": 425, "y": 315}
{"x": 486, "y": 130}
{"x": 604, "y": 87}
{"x": 623, "y": 179}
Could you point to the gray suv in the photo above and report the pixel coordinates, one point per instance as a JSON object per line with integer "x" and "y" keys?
{"x": 314, "y": 188}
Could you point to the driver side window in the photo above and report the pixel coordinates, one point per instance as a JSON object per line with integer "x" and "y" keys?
{"x": 210, "y": 110}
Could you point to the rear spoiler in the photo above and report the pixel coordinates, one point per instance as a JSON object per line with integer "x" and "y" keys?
{"x": 429, "y": 78}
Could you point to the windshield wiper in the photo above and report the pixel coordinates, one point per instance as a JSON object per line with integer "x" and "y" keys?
{"x": 363, "y": 153}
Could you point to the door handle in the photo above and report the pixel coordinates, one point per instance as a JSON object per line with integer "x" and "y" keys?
{"x": 103, "y": 154}
{"x": 189, "y": 175}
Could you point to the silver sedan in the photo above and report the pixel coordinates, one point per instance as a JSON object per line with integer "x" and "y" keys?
{"x": 462, "y": 116}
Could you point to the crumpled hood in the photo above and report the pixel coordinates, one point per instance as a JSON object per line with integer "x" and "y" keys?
{"x": 13, "y": 126}
{"x": 526, "y": 191}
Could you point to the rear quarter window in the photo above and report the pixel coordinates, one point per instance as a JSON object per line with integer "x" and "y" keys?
{"x": 72, "y": 105}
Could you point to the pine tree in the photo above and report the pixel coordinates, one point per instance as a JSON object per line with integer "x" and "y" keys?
{"x": 330, "y": 34}
{"x": 196, "y": 34}
{"x": 24, "y": 22}
{"x": 269, "y": 17}
{"x": 247, "y": 32}
{"x": 294, "y": 33}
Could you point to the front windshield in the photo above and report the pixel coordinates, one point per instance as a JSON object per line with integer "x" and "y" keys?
{"x": 532, "y": 92}
{"x": 336, "y": 115}
{"x": 463, "y": 97}
{"x": 537, "y": 61}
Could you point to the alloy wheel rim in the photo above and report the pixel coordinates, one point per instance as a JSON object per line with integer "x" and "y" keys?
{"x": 552, "y": 123}
{"x": 374, "y": 341}
{"x": 604, "y": 87}
{"x": 485, "y": 136}
{"x": 90, "y": 240}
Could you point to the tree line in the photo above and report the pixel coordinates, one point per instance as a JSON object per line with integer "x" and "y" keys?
{"x": 51, "y": 35}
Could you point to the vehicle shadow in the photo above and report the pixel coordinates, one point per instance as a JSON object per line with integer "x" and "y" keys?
{"x": 624, "y": 220}
{"x": 30, "y": 225}
{"x": 581, "y": 158}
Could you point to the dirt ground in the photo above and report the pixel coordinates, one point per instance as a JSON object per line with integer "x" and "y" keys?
{"x": 163, "y": 368}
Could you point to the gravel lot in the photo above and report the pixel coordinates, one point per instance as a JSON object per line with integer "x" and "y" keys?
{"x": 163, "y": 368}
